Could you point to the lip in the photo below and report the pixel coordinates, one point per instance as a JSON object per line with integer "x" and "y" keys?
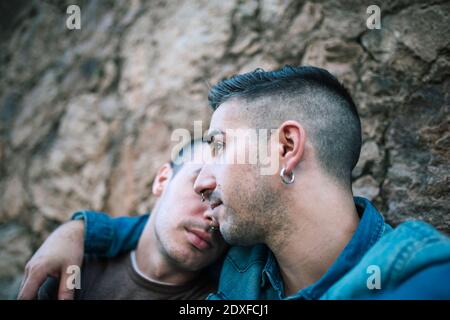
{"x": 200, "y": 239}
{"x": 214, "y": 204}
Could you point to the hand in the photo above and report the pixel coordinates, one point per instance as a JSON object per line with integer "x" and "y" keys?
{"x": 63, "y": 248}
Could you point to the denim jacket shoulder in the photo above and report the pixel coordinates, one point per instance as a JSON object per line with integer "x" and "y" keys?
{"x": 411, "y": 247}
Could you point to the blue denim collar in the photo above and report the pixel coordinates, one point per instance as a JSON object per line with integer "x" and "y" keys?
{"x": 370, "y": 229}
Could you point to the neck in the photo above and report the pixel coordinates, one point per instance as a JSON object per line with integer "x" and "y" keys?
{"x": 320, "y": 223}
{"x": 155, "y": 264}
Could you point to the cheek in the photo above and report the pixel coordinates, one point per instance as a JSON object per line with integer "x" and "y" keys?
{"x": 164, "y": 227}
{"x": 230, "y": 175}
{"x": 238, "y": 177}
{"x": 192, "y": 207}
{"x": 244, "y": 192}
{"x": 188, "y": 204}
{"x": 169, "y": 223}
{"x": 175, "y": 237}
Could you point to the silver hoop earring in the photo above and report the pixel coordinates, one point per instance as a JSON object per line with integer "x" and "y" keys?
{"x": 203, "y": 197}
{"x": 212, "y": 229}
{"x": 287, "y": 179}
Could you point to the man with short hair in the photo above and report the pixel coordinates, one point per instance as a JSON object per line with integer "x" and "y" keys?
{"x": 312, "y": 229}
{"x": 177, "y": 245}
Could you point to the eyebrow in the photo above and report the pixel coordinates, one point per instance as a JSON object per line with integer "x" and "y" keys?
{"x": 212, "y": 133}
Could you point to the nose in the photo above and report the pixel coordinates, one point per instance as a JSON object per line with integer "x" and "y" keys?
{"x": 205, "y": 182}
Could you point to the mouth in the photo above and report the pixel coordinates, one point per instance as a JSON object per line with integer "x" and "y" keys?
{"x": 215, "y": 203}
{"x": 200, "y": 239}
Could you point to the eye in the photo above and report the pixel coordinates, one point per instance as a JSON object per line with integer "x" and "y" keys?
{"x": 217, "y": 147}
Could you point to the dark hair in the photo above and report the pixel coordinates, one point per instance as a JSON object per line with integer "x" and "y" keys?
{"x": 309, "y": 95}
{"x": 185, "y": 153}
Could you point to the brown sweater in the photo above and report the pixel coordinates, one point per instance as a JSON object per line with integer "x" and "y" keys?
{"x": 117, "y": 279}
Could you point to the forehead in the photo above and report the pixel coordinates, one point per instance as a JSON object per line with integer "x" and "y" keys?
{"x": 191, "y": 169}
{"x": 229, "y": 114}
{"x": 195, "y": 157}
{"x": 188, "y": 171}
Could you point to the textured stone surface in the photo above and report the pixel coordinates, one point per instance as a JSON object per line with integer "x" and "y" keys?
{"x": 15, "y": 249}
{"x": 85, "y": 115}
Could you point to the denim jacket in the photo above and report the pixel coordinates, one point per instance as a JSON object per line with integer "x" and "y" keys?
{"x": 410, "y": 249}
{"x": 252, "y": 272}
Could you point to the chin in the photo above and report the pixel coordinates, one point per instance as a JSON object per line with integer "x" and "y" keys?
{"x": 231, "y": 238}
{"x": 237, "y": 239}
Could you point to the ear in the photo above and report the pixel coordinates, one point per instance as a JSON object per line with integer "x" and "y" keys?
{"x": 162, "y": 179}
{"x": 292, "y": 143}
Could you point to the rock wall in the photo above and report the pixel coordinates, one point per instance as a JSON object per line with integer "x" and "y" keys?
{"x": 85, "y": 115}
